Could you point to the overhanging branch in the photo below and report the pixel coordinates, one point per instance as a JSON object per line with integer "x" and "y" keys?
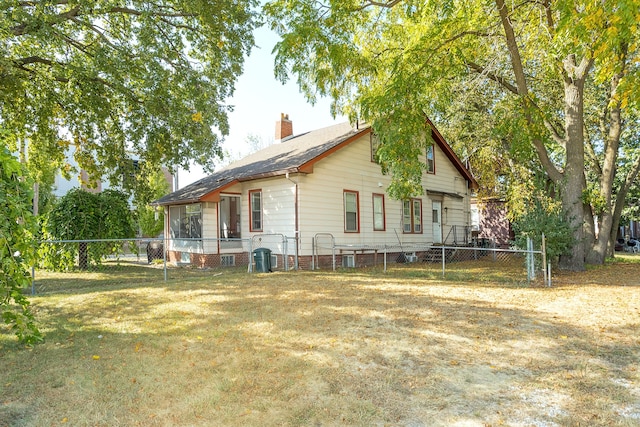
{"x": 26, "y": 28}
{"x": 502, "y": 81}
{"x": 384, "y": 4}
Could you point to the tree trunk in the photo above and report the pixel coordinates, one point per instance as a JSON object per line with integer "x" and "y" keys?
{"x": 598, "y": 251}
{"x": 574, "y": 182}
{"x": 609, "y": 222}
{"x": 621, "y": 198}
{"x": 83, "y": 256}
{"x": 589, "y": 226}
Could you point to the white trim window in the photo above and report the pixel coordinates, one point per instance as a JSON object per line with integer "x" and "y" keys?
{"x": 379, "y": 223}
{"x": 185, "y": 221}
{"x": 255, "y": 206}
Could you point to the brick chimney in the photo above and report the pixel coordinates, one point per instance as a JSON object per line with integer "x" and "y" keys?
{"x": 284, "y": 128}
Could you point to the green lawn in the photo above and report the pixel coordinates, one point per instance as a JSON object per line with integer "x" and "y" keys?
{"x": 359, "y": 347}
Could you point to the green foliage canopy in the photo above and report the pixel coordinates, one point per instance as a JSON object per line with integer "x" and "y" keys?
{"x": 532, "y": 69}
{"x": 112, "y": 80}
{"x": 17, "y": 248}
{"x": 151, "y": 218}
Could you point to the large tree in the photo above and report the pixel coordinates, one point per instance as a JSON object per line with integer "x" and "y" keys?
{"x": 114, "y": 79}
{"x": 542, "y": 66}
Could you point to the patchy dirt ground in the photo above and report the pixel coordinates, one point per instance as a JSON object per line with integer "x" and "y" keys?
{"x": 326, "y": 349}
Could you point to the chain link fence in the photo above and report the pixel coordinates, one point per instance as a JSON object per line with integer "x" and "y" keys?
{"x": 67, "y": 264}
{"x": 475, "y": 261}
{"x": 72, "y": 262}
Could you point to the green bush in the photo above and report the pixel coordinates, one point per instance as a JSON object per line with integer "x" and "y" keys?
{"x": 549, "y": 219}
{"x": 81, "y": 215}
{"x": 17, "y": 248}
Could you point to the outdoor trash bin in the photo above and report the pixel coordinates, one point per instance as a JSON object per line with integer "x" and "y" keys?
{"x": 262, "y": 258}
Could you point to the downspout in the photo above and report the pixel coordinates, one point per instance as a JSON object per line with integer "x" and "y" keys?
{"x": 218, "y": 228}
{"x": 295, "y": 218}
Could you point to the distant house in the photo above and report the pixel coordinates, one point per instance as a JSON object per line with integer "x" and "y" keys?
{"x": 490, "y": 221}
{"x": 63, "y": 185}
{"x": 323, "y": 182}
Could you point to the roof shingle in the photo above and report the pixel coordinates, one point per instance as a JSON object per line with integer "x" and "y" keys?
{"x": 277, "y": 159}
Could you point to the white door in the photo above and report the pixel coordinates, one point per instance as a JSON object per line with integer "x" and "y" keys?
{"x": 436, "y": 220}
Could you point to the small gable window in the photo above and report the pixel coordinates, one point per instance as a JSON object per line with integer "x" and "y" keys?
{"x": 375, "y": 144}
{"x": 431, "y": 163}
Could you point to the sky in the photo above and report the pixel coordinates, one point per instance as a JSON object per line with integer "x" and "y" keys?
{"x": 259, "y": 100}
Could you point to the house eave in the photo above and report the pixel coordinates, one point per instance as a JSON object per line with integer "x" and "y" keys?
{"x": 452, "y": 156}
{"x": 273, "y": 174}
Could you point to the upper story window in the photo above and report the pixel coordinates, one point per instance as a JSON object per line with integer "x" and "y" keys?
{"x": 255, "y": 207}
{"x": 185, "y": 221}
{"x": 431, "y": 162}
{"x": 351, "y": 212}
{"x": 412, "y": 216}
{"x": 375, "y": 144}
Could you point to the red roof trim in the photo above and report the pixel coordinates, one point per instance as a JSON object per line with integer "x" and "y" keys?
{"x": 451, "y": 155}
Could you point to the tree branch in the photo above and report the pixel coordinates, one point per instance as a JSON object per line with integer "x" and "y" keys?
{"x": 388, "y": 4}
{"x": 498, "y": 79}
{"x": 591, "y": 152}
{"x": 95, "y": 30}
{"x": 518, "y": 69}
{"x": 129, "y": 11}
{"x": 32, "y": 60}
{"x": 21, "y": 29}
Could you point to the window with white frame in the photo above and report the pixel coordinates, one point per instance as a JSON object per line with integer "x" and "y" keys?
{"x": 412, "y": 216}
{"x": 378, "y": 212}
{"x": 185, "y": 221}
{"x": 255, "y": 205}
{"x": 351, "y": 212}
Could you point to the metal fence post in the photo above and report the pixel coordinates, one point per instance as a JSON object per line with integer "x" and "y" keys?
{"x": 544, "y": 257}
{"x": 443, "y": 261}
{"x": 165, "y": 248}
{"x": 285, "y": 250}
{"x": 385, "y": 258}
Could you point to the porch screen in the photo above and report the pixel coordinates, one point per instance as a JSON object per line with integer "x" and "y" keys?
{"x": 186, "y": 221}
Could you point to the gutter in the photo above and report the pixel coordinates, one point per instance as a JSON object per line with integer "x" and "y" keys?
{"x": 295, "y": 217}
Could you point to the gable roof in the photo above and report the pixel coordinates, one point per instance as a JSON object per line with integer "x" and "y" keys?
{"x": 297, "y": 154}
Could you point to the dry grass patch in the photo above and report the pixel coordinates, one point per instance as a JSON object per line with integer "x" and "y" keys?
{"x": 362, "y": 348}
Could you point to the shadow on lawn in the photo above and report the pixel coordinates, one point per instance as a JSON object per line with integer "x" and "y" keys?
{"x": 319, "y": 348}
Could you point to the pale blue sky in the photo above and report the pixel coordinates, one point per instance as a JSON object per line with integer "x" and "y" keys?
{"x": 259, "y": 99}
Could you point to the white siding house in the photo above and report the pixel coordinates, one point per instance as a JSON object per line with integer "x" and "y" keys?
{"x": 324, "y": 183}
